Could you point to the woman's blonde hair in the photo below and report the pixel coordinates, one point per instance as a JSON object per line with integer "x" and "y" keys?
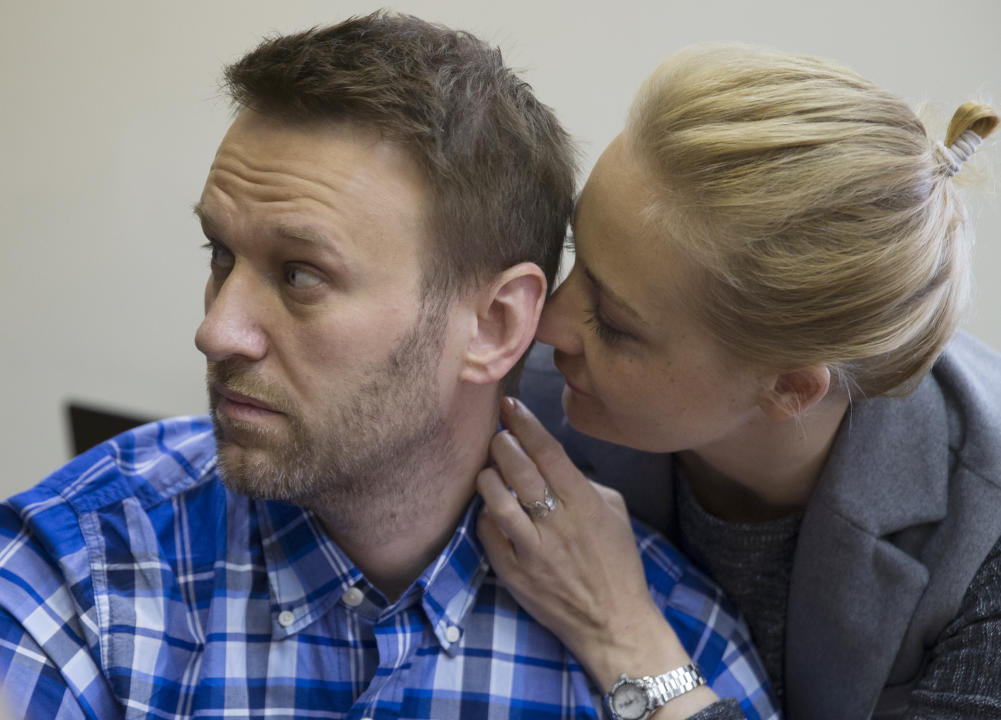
{"x": 820, "y": 218}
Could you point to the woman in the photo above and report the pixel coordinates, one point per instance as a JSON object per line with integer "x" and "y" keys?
{"x": 770, "y": 264}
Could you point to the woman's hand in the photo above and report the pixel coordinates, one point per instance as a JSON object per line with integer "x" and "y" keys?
{"x": 576, "y": 568}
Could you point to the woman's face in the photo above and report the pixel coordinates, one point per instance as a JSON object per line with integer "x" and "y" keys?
{"x": 640, "y": 370}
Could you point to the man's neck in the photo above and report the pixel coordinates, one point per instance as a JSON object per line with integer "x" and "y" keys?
{"x": 393, "y": 561}
{"x": 392, "y": 540}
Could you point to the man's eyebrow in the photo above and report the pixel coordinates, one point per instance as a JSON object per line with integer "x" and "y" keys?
{"x": 291, "y": 231}
{"x": 616, "y": 299}
{"x": 199, "y": 210}
{"x": 310, "y": 235}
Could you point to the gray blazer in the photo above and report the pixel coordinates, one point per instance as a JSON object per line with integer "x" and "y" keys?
{"x": 907, "y": 508}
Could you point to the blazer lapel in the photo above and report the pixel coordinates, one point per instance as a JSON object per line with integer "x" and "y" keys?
{"x": 848, "y": 610}
{"x": 853, "y": 592}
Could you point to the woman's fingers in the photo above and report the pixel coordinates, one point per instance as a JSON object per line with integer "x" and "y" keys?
{"x": 506, "y": 514}
{"x": 517, "y": 469}
{"x": 496, "y": 544}
{"x": 538, "y": 447}
{"x": 574, "y": 568}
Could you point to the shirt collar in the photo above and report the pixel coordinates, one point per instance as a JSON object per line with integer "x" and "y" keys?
{"x": 308, "y": 573}
{"x": 450, "y": 584}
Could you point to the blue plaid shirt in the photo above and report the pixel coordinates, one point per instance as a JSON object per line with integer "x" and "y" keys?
{"x": 134, "y": 584}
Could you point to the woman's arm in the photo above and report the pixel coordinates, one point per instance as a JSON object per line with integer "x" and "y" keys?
{"x": 576, "y": 569}
{"x": 962, "y": 681}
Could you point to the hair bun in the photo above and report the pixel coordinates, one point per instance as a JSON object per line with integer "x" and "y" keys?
{"x": 970, "y": 124}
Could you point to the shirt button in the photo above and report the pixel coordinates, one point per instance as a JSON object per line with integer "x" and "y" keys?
{"x": 452, "y": 633}
{"x": 352, "y": 597}
{"x": 286, "y": 618}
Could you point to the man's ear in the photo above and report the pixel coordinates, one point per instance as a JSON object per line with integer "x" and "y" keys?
{"x": 792, "y": 393}
{"x": 507, "y": 313}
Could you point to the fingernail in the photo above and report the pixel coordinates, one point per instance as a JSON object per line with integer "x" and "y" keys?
{"x": 508, "y": 404}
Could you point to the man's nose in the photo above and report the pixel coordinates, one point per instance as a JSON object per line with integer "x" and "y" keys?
{"x": 234, "y": 317}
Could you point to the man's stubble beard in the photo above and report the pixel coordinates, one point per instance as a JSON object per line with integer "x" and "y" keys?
{"x": 370, "y": 457}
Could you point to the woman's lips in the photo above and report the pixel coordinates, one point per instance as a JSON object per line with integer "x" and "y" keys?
{"x": 575, "y": 388}
{"x": 570, "y": 383}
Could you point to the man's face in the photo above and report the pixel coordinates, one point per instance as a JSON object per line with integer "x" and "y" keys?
{"x": 322, "y": 359}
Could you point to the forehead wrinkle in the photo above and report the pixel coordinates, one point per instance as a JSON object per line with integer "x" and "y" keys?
{"x": 345, "y": 208}
{"x": 266, "y": 185}
{"x": 340, "y": 184}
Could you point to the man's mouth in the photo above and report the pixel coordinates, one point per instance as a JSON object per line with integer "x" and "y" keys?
{"x": 232, "y": 402}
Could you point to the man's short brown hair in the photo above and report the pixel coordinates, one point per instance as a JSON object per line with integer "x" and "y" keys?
{"x": 499, "y": 165}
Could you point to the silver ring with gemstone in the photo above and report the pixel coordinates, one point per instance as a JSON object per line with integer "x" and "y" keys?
{"x": 540, "y": 508}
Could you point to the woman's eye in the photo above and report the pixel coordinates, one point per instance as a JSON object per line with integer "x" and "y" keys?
{"x": 301, "y": 278}
{"x": 605, "y": 332}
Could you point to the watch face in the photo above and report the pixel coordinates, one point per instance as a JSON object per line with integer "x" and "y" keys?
{"x": 629, "y": 701}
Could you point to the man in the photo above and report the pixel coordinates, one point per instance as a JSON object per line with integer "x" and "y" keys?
{"x": 383, "y": 217}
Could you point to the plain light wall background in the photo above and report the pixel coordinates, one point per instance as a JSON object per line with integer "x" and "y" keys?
{"x": 111, "y": 115}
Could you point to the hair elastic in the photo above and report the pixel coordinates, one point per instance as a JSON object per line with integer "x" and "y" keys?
{"x": 959, "y": 152}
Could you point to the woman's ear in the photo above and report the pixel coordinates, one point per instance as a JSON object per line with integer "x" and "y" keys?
{"x": 792, "y": 393}
{"x": 507, "y": 313}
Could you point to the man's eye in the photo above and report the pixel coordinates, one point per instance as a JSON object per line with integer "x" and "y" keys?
{"x": 301, "y": 278}
{"x": 220, "y": 257}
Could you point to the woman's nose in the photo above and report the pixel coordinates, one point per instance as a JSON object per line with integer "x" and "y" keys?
{"x": 562, "y": 320}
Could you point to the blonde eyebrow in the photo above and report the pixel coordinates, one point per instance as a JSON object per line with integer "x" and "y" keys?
{"x": 615, "y": 298}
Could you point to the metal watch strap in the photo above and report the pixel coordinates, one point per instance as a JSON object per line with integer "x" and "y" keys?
{"x": 674, "y": 683}
{"x": 656, "y": 690}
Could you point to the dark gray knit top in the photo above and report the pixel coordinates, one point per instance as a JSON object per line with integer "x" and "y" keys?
{"x": 752, "y": 563}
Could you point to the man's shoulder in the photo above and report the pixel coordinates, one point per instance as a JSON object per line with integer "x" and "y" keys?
{"x": 152, "y": 463}
{"x": 677, "y": 584}
{"x": 63, "y": 541}
{"x": 707, "y": 623}
{"x": 143, "y": 467}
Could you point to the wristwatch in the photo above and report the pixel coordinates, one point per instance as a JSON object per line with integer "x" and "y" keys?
{"x": 635, "y": 698}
